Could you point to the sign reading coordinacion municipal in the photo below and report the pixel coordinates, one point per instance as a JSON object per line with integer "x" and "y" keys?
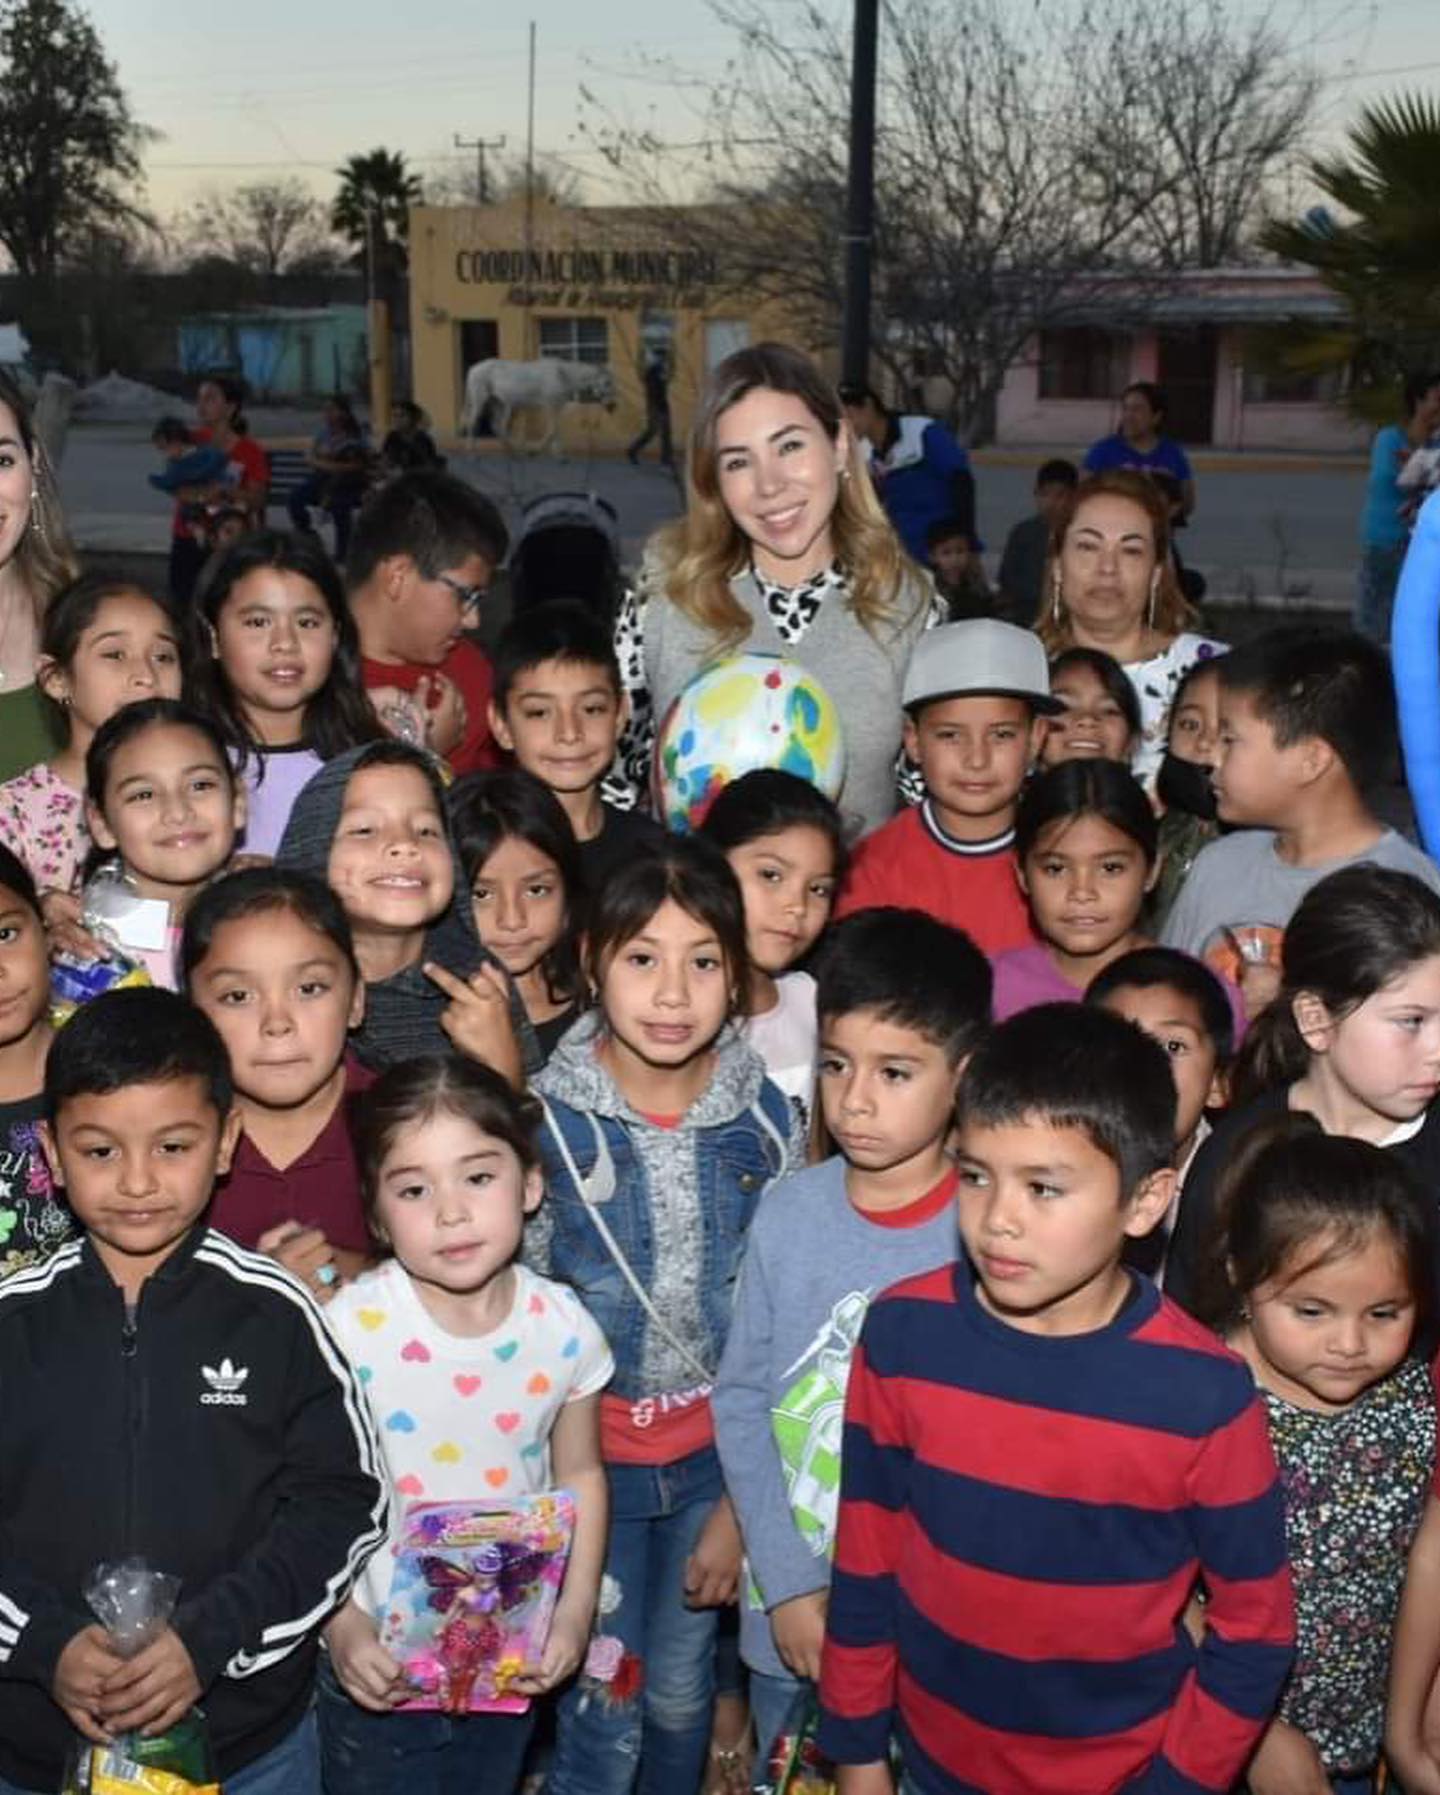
{"x": 571, "y": 267}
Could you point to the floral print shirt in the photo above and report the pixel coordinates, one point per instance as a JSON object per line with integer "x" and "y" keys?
{"x": 1355, "y": 1486}
{"x": 42, "y": 822}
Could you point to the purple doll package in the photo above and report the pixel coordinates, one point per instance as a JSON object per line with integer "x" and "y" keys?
{"x": 473, "y": 1594}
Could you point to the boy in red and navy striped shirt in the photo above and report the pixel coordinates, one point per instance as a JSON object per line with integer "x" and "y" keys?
{"x": 1042, "y": 1456}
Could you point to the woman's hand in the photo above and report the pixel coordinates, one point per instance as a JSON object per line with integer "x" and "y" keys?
{"x": 306, "y": 1254}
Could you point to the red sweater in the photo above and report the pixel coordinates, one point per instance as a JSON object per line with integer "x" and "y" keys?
{"x": 468, "y": 669}
{"x": 910, "y": 861}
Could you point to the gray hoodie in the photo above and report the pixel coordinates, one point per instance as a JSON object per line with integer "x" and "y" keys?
{"x": 402, "y": 1013}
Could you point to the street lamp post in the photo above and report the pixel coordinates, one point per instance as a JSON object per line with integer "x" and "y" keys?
{"x": 860, "y": 197}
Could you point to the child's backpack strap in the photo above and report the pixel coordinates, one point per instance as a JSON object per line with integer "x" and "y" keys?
{"x": 594, "y": 1189}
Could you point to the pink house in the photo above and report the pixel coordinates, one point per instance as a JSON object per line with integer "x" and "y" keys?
{"x": 1191, "y": 338}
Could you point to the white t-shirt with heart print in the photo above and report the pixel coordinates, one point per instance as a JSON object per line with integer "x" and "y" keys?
{"x": 463, "y": 1417}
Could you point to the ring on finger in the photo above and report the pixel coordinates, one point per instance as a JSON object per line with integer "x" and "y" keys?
{"x": 326, "y": 1275}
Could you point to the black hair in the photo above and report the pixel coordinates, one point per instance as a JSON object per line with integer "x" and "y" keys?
{"x": 765, "y": 801}
{"x": 911, "y": 970}
{"x": 1153, "y": 395}
{"x": 1416, "y": 386}
{"x": 387, "y": 751}
{"x": 561, "y": 629}
{"x": 339, "y": 716}
{"x": 945, "y": 529}
{"x": 1146, "y": 968}
{"x": 487, "y": 808}
{"x": 134, "y": 719}
{"x": 171, "y": 430}
{"x": 688, "y": 870}
{"x": 15, "y": 878}
{"x": 261, "y": 891}
{"x": 1057, "y": 472}
{"x": 1074, "y": 1067}
{"x": 1332, "y": 685}
{"x": 435, "y": 519}
{"x": 856, "y": 392}
{"x": 1352, "y": 934}
{"x": 136, "y": 1035}
{"x": 1196, "y": 670}
{"x": 1076, "y": 788}
{"x": 72, "y": 611}
{"x": 126, "y": 723}
{"x": 235, "y": 392}
{"x": 1294, "y": 1198}
{"x": 1112, "y": 677}
{"x": 414, "y": 412}
{"x": 439, "y": 1085}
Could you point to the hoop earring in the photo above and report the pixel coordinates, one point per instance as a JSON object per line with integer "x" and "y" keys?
{"x": 37, "y": 516}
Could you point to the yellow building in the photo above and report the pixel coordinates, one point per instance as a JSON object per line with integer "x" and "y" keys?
{"x": 609, "y": 285}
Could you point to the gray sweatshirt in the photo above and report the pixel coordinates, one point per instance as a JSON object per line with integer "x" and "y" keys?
{"x": 812, "y": 1264}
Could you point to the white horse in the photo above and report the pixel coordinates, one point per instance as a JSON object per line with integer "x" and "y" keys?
{"x": 548, "y": 385}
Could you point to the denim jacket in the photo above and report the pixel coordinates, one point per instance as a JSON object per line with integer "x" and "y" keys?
{"x": 675, "y": 1202}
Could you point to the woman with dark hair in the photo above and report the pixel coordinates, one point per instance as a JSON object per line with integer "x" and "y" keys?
{"x": 340, "y": 464}
{"x": 1139, "y": 444}
{"x": 784, "y": 549}
{"x": 1111, "y": 584}
{"x": 36, "y": 560}
{"x": 222, "y": 424}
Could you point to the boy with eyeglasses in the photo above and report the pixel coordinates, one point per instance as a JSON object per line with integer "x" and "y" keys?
{"x": 422, "y": 555}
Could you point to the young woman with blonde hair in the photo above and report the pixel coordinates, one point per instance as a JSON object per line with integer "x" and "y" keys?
{"x": 1110, "y": 584}
{"x": 36, "y": 560}
{"x": 783, "y": 549}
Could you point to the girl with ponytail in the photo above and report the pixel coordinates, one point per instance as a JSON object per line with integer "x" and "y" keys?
{"x": 1352, "y": 1038}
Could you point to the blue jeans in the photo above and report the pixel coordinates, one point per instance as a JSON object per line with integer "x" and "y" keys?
{"x": 649, "y": 1729}
{"x": 1375, "y": 590}
{"x": 771, "y": 1700}
{"x": 290, "y": 1768}
{"x": 419, "y": 1753}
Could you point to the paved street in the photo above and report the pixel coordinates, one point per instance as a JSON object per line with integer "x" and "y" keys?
{"x": 1265, "y": 530}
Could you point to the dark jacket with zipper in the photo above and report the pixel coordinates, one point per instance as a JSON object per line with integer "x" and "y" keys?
{"x": 217, "y": 1432}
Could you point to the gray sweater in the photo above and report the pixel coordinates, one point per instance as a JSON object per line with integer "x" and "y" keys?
{"x": 862, "y": 672}
{"x": 812, "y": 1264}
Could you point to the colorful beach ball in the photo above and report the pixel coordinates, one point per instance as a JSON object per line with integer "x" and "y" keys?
{"x": 752, "y": 710}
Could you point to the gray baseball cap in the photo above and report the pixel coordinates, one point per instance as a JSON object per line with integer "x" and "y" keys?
{"x": 980, "y": 655}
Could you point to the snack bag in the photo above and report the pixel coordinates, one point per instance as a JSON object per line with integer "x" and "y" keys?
{"x": 134, "y": 1603}
{"x": 795, "y": 1766}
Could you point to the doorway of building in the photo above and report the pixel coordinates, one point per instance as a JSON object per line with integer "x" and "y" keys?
{"x": 479, "y": 341}
{"x": 1186, "y": 370}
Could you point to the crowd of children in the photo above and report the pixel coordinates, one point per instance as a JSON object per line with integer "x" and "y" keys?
{"x": 993, "y": 1260}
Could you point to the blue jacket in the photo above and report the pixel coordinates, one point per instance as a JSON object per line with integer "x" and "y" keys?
{"x": 676, "y": 1203}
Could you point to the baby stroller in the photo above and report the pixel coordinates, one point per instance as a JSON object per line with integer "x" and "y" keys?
{"x": 568, "y": 546}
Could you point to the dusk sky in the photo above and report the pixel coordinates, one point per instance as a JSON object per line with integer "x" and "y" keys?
{"x": 295, "y": 86}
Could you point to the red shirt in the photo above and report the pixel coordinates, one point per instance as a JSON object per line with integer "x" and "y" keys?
{"x": 468, "y": 669}
{"x": 249, "y": 465}
{"x": 910, "y": 861}
{"x": 321, "y": 1188}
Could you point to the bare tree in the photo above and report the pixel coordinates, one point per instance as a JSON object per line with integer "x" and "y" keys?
{"x": 459, "y": 185}
{"x": 269, "y": 227}
{"x": 1034, "y": 168}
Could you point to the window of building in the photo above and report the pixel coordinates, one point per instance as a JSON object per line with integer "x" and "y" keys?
{"x": 575, "y": 339}
{"x": 1083, "y": 363}
{"x": 1268, "y": 386}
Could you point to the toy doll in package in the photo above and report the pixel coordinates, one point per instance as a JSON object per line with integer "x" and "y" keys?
{"x": 472, "y": 1598}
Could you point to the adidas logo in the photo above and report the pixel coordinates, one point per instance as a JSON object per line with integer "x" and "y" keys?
{"x": 225, "y": 1385}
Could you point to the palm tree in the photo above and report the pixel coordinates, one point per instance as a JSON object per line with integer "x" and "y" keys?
{"x": 376, "y": 193}
{"x": 1380, "y": 257}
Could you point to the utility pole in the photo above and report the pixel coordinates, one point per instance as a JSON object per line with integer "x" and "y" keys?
{"x": 480, "y": 145}
{"x": 860, "y": 197}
